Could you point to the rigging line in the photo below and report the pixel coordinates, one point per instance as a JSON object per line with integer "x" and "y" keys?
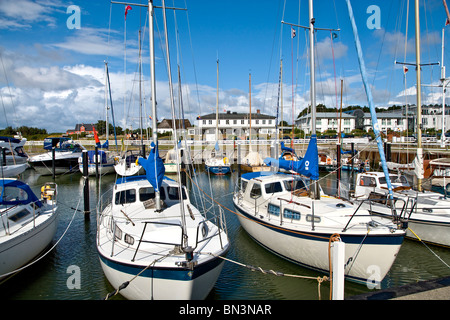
{"x": 9, "y": 89}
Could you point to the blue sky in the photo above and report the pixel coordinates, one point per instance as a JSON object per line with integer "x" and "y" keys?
{"x": 52, "y": 77}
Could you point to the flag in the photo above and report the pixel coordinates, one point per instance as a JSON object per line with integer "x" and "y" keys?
{"x": 447, "y": 22}
{"x": 126, "y": 11}
{"x": 334, "y": 35}
{"x": 405, "y": 69}
{"x": 97, "y": 140}
{"x": 292, "y": 32}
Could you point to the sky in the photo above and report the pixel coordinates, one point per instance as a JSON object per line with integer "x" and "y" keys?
{"x": 53, "y": 55}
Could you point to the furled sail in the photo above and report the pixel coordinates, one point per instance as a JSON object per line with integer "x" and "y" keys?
{"x": 307, "y": 166}
{"x": 154, "y": 167}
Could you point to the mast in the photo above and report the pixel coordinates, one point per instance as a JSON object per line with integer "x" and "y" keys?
{"x": 315, "y": 194}
{"x": 419, "y": 172}
{"x": 250, "y": 103}
{"x": 153, "y": 87}
{"x": 443, "y": 93}
{"x": 217, "y": 103}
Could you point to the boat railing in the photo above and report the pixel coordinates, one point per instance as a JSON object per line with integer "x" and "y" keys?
{"x": 389, "y": 203}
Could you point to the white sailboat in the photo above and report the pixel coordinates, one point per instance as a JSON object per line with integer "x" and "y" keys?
{"x": 290, "y": 216}
{"x": 104, "y": 161}
{"x": 217, "y": 163}
{"x": 153, "y": 243}
{"x": 427, "y": 212}
{"x": 28, "y": 224}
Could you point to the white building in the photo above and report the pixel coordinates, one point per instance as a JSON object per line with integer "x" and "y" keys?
{"x": 357, "y": 119}
{"x": 233, "y": 124}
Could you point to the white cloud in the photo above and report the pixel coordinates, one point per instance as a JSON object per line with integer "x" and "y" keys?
{"x": 21, "y": 13}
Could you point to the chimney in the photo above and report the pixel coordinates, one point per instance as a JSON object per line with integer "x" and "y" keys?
{"x": 258, "y": 111}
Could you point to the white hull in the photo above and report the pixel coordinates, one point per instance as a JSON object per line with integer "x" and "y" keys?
{"x": 22, "y": 246}
{"x": 146, "y": 287}
{"x": 9, "y": 171}
{"x": 139, "y": 244}
{"x": 310, "y": 249}
{"x": 102, "y": 169}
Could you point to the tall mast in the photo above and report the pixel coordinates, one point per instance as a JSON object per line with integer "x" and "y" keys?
{"x": 250, "y": 103}
{"x": 443, "y": 92}
{"x": 419, "y": 100}
{"x": 315, "y": 194}
{"x": 312, "y": 64}
{"x": 217, "y": 103}
{"x": 153, "y": 85}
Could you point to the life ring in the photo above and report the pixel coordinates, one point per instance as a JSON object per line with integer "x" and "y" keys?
{"x": 225, "y": 160}
{"x": 328, "y": 160}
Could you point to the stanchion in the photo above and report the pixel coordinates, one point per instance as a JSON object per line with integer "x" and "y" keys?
{"x": 86, "y": 185}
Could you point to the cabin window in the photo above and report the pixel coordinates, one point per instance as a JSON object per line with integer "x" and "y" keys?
{"x": 243, "y": 185}
{"x": 126, "y": 196}
{"x": 174, "y": 194}
{"x": 273, "y": 187}
{"x": 309, "y": 218}
{"x": 273, "y": 209}
{"x": 292, "y": 185}
{"x": 146, "y": 194}
{"x": 291, "y": 214}
{"x": 367, "y": 182}
{"x": 19, "y": 215}
{"x": 256, "y": 191}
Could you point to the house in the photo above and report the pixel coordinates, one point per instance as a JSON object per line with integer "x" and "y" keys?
{"x": 233, "y": 124}
{"x": 167, "y": 126}
{"x": 82, "y": 128}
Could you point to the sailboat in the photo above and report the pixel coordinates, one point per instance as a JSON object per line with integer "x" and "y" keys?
{"x": 28, "y": 223}
{"x": 291, "y": 216}
{"x": 104, "y": 160}
{"x": 153, "y": 243}
{"x": 253, "y": 161}
{"x": 127, "y": 165}
{"x": 217, "y": 164}
{"x": 428, "y": 212}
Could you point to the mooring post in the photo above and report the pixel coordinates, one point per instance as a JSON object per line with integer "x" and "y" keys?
{"x": 53, "y": 162}
{"x": 86, "y": 185}
{"x": 338, "y": 180}
{"x": 338, "y": 251}
{"x": 96, "y": 163}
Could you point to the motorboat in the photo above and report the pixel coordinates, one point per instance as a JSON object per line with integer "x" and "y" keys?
{"x": 13, "y": 148}
{"x": 65, "y": 159}
{"x": 28, "y": 223}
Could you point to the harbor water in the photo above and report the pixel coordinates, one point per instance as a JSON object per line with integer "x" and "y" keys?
{"x": 71, "y": 270}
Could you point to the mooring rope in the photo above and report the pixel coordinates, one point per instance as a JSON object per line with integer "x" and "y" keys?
{"x": 272, "y": 272}
{"x": 418, "y": 238}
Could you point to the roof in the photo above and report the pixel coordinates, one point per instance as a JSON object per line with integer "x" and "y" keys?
{"x": 235, "y": 115}
{"x": 168, "y": 123}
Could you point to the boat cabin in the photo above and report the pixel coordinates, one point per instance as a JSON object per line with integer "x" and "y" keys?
{"x": 143, "y": 192}
{"x": 259, "y": 187}
{"x": 368, "y": 182}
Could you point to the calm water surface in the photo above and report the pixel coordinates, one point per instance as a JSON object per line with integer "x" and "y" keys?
{"x": 47, "y": 279}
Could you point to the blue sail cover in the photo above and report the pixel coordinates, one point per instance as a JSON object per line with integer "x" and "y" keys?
{"x": 154, "y": 167}
{"x": 283, "y": 148}
{"x": 307, "y": 166}
{"x": 5, "y": 198}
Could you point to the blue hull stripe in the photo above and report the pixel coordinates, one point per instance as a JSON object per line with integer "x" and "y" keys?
{"x": 391, "y": 239}
{"x": 181, "y": 274}
{"x": 219, "y": 170}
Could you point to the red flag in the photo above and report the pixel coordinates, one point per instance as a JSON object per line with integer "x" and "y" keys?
{"x": 405, "y": 69}
{"x": 97, "y": 140}
{"x": 126, "y": 11}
